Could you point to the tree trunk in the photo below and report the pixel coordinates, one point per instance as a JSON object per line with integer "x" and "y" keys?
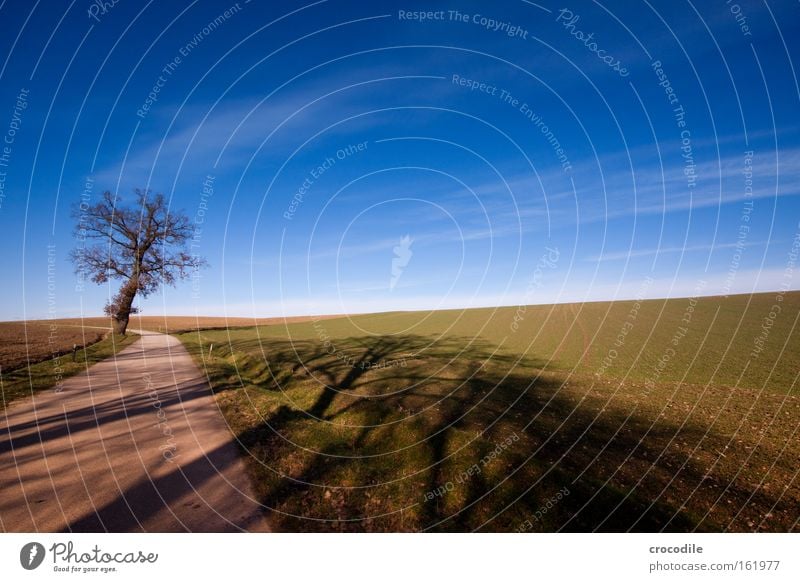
{"x": 124, "y": 308}
{"x": 119, "y": 325}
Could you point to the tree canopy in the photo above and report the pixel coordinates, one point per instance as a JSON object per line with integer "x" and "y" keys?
{"x": 144, "y": 245}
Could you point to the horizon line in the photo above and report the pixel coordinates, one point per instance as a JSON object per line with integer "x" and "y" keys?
{"x": 781, "y": 292}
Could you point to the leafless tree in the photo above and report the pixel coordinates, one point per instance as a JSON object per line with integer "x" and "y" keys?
{"x": 143, "y": 245}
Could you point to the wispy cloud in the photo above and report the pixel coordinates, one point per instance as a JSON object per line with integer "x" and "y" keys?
{"x": 645, "y": 189}
{"x": 218, "y": 133}
{"x": 636, "y": 253}
{"x": 648, "y": 190}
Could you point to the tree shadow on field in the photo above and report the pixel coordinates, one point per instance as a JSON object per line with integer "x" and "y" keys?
{"x": 402, "y": 433}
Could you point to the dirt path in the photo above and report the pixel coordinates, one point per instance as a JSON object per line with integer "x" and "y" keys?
{"x": 135, "y": 444}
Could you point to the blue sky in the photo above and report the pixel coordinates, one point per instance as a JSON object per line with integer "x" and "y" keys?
{"x": 530, "y": 152}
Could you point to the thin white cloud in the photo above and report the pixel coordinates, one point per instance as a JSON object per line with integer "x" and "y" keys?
{"x": 719, "y": 182}
{"x": 636, "y": 253}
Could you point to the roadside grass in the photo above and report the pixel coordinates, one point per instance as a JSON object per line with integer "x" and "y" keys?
{"x": 409, "y": 430}
{"x": 29, "y": 380}
{"x": 171, "y": 323}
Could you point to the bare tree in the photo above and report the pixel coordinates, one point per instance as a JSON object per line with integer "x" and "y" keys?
{"x": 143, "y": 245}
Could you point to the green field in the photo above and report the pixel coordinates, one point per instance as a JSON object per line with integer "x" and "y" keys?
{"x": 661, "y": 415}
